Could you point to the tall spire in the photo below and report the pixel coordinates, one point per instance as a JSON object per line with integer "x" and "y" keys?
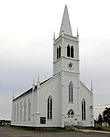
{"x": 65, "y": 26}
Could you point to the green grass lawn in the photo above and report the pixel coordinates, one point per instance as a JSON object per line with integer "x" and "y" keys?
{"x": 102, "y": 128}
{"x": 106, "y": 128}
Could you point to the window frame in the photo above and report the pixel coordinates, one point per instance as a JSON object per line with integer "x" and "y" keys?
{"x": 59, "y": 52}
{"x": 83, "y": 109}
{"x": 68, "y": 51}
{"x": 20, "y": 111}
{"x": 29, "y": 109}
{"x": 70, "y": 113}
{"x": 24, "y": 110}
{"x": 49, "y": 108}
{"x": 17, "y": 111}
{"x": 70, "y": 92}
{"x": 72, "y": 52}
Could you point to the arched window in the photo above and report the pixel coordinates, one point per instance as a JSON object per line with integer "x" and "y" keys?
{"x": 49, "y": 108}
{"x": 68, "y": 51}
{"x": 24, "y": 111}
{"x": 70, "y": 113}
{"x": 29, "y": 109}
{"x": 72, "y": 52}
{"x": 17, "y": 112}
{"x": 71, "y": 91}
{"x": 59, "y": 52}
{"x": 83, "y": 105}
{"x": 14, "y": 112}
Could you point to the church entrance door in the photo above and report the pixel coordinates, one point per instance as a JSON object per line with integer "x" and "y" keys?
{"x": 69, "y": 119}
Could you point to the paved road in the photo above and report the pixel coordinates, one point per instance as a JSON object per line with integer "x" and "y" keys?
{"x": 14, "y": 132}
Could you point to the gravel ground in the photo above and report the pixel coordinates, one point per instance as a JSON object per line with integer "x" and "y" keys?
{"x": 19, "y": 132}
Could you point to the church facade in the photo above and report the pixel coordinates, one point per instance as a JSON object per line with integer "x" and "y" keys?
{"x": 62, "y": 99}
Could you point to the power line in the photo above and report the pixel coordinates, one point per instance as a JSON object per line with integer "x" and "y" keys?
{"x": 102, "y": 105}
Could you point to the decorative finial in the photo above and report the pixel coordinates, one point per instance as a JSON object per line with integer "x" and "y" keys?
{"x": 38, "y": 81}
{"x": 13, "y": 95}
{"x": 33, "y": 85}
{"x": 91, "y": 86}
{"x": 77, "y": 33}
{"x": 54, "y": 36}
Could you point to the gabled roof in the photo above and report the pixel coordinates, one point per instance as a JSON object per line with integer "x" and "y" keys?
{"x": 65, "y": 25}
{"x": 30, "y": 90}
{"x": 86, "y": 87}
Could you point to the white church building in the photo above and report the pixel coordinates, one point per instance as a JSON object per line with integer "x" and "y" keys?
{"x": 62, "y": 99}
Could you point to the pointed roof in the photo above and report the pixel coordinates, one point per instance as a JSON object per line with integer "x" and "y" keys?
{"x": 65, "y": 25}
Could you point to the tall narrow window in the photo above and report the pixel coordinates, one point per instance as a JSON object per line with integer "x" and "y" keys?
{"x": 59, "y": 52}
{"x": 49, "y": 108}
{"x": 17, "y": 112}
{"x": 24, "y": 110}
{"x": 29, "y": 110}
{"x": 72, "y": 52}
{"x": 68, "y": 51}
{"x": 83, "y": 110}
{"x": 14, "y": 112}
{"x": 20, "y": 111}
{"x": 71, "y": 92}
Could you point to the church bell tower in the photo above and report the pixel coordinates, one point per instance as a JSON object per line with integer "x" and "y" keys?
{"x": 66, "y": 65}
{"x": 66, "y": 48}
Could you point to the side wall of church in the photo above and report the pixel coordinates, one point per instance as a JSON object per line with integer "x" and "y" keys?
{"x": 49, "y": 88}
{"x": 18, "y": 117}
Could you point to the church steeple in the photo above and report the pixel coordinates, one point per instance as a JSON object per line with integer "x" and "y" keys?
{"x": 65, "y": 26}
{"x": 66, "y": 48}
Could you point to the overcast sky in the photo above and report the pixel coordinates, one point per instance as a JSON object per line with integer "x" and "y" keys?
{"x": 26, "y": 38}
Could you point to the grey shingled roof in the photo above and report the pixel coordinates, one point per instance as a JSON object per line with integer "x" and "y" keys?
{"x": 30, "y": 90}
